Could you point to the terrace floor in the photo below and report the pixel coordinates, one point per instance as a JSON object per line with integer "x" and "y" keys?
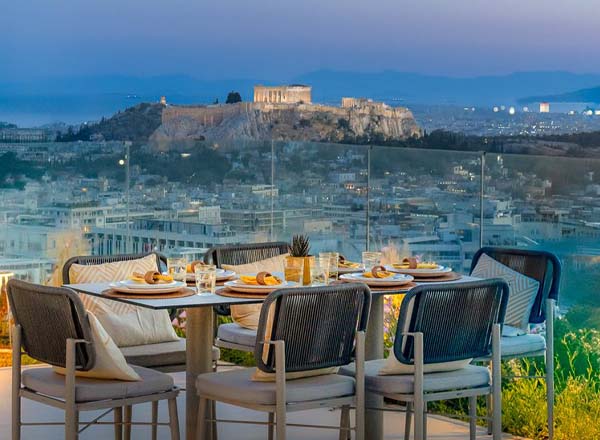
{"x": 439, "y": 428}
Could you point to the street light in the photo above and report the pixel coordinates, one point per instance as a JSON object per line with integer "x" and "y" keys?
{"x": 122, "y": 162}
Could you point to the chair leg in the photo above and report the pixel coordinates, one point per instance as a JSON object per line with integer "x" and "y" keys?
{"x": 425, "y": 420}
{"x": 71, "y": 423}
{"x": 281, "y": 421}
{"x": 155, "y": 420}
{"x": 408, "y": 420}
{"x": 201, "y": 425}
{"x": 118, "y": 418}
{"x": 16, "y": 412}
{"x": 488, "y": 407}
{"x": 550, "y": 304}
{"x": 173, "y": 419}
{"x": 127, "y": 425}
{"x": 419, "y": 420}
{"x": 344, "y": 422}
{"x": 271, "y": 426}
{"x": 213, "y": 423}
{"x": 472, "y": 417}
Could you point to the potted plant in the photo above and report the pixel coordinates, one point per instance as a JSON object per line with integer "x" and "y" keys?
{"x": 300, "y": 256}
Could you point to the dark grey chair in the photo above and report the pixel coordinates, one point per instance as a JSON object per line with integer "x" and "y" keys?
{"x": 167, "y": 357}
{"x": 544, "y": 267}
{"x": 232, "y": 335}
{"x": 445, "y": 323}
{"x": 52, "y": 326}
{"x": 300, "y": 329}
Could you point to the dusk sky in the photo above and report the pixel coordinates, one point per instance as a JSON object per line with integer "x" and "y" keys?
{"x": 275, "y": 39}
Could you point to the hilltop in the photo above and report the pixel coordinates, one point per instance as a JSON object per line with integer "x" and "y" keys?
{"x": 583, "y": 95}
{"x": 369, "y": 123}
{"x": 134, "y": 124}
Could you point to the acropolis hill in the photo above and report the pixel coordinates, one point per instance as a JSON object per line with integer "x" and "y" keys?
{"x": 357, "y": 120}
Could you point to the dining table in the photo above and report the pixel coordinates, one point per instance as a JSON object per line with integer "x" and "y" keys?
{"x": 200, "y": 339}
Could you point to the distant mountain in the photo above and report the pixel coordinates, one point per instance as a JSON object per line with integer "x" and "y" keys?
{"x": 583, "y": 95}
{"x": 85, "y": 98}
{"x": 425, "y": 89}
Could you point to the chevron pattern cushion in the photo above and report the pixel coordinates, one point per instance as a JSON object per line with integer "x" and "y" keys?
{"x": 127, "y": 325}
{"x": 523, "y": 291}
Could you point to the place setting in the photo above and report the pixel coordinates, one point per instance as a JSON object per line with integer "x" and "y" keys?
{"x": 424, "y": 271}
{"x": 151, "y": 284}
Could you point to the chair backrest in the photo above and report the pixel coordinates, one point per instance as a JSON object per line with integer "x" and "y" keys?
{"x": 456, "y": 319}
{"x": 244, "y": 253}
{"x": 540, "y": 265}
{"x": 48, "y": 316}
{"x": 317, "y": 324}
{"x": 88, "y": 260}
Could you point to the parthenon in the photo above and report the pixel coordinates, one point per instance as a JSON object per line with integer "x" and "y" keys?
{"x": 290, "y": 94}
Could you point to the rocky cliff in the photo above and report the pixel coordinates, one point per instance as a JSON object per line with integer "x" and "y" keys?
{"x": 303, "y": 122}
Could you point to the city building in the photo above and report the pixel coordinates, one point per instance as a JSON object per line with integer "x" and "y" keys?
{"x": 288, "y": 94}
{"x": 544, "y": 107}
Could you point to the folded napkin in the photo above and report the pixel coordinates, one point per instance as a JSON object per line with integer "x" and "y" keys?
{"x": 151, "y": 277}
{"x": 419, "y": 266}
{"x": 380, "y": 274}
{"x": 191, "y": 268}
{"x": 348, "y": 264}
{"x": 260, "y": 279}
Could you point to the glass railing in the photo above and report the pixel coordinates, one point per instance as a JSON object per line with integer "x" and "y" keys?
{"x": 91, "y": 197}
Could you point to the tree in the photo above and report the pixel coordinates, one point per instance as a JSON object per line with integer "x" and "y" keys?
{"x": 233, "y": 97}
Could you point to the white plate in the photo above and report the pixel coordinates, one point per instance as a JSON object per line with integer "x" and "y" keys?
{"x": 222, "y": 275}
{"x": 130, "y": 286}
{"x": 395, "y": 280}
{"x": 240, "y": 286}
{"x": 439, "y": 272}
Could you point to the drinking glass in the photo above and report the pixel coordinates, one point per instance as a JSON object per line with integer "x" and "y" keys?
{"x": 319, "y": 271}
{"x": 293, "y": 270}
{"x": 334, "y": 259}
{"x": 370, "y": 260}
{"x": 177, "y": 267}
{"x": 206, "y": 279}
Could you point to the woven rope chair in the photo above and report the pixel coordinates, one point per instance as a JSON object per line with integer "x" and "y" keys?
{"x": 300, "y": 329}
{"x": 444, "y": 322}
{"x": 231, "y": 335}
{"x": 51, "y": 326}
{"x": 546, "y": 269}
{"x": 168, "y": 357}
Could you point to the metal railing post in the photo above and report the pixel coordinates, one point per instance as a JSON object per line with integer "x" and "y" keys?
{"x": 481, "y": 192}
{"x": 368, "y": 208}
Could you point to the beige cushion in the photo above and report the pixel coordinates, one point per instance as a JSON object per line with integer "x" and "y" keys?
{"x": 237, "y": 386}
{"x": 392, "y": 366}
{"x": 164, "y": 354}
{"x": 247, "y": 315}
{"x": 46, "y": 381}
{"x": 110, "y": 362}
{"x": 469, "y": 377}
{"x": 128, "y": 325}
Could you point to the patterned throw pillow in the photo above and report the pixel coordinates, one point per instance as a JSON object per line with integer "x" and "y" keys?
{"x": 127, "y": 325}
{"x": 523, "y": 291}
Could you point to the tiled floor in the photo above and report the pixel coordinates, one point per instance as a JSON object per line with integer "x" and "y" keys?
{"x": 438, "y": 428}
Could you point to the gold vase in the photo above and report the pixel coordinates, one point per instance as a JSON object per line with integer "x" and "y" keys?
{"x": 300, "y": 262}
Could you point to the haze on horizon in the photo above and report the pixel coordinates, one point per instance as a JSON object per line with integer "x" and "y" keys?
{"x": 273, "y": 39}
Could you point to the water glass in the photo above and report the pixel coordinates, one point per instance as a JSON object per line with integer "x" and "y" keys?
{"x": 334, "y": 259}
{"x": 177, "y": 267}
{"x": 293, "y": 270}
{"x": 319, "y": 271}
{"x": 206, "y": 279}
{"x": 370, "y": 260}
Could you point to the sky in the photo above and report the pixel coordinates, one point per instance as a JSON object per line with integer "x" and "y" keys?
{"x": 279, "y": 39}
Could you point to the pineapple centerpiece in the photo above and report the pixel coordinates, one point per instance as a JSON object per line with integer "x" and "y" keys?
{"x": 300, "y": 256}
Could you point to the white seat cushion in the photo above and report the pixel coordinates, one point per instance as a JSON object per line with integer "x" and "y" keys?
{"x": 46, "y": 381}
{"x": 161, "y": 355}
{"x": 469, "y": 377}
{"x": 516, "y": 346}
{"x": 235, "y": 333}
{"x": 238, "y": 386}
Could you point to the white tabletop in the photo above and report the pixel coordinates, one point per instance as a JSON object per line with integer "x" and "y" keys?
{"x": 98, "y": 289}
